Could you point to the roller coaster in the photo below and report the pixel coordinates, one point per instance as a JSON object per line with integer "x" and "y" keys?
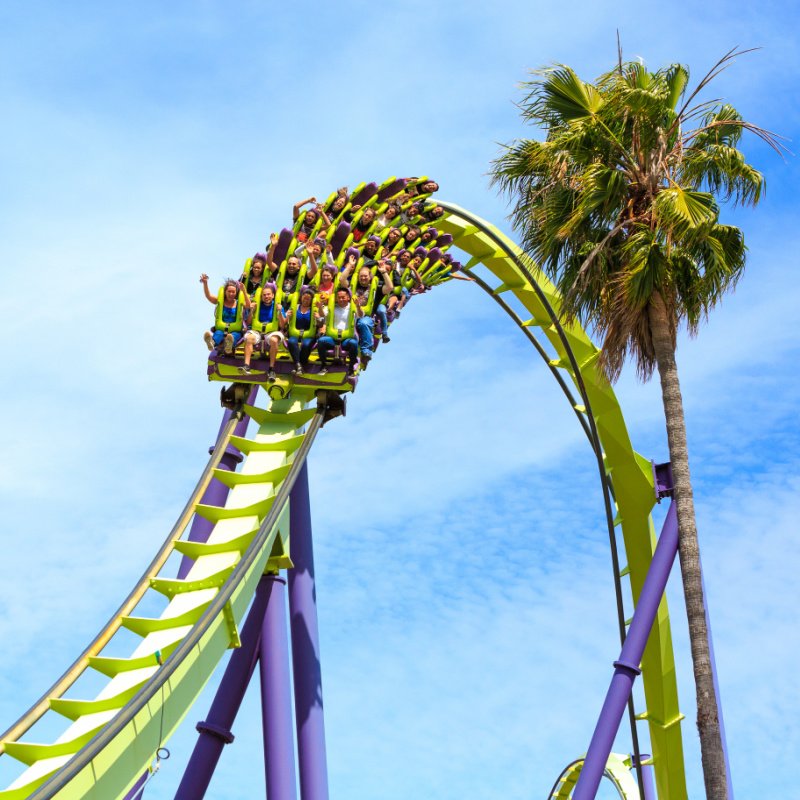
{"x": 245, "y": 531}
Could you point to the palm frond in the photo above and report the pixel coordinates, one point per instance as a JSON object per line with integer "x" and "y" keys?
{"x": 563, "y": 93}
{"x": 645, "y": 266}
{"x": 721, "y": 65}
{"x": 681, "y": 210}
{"x": 722, "y": 170}
{"x": 676, "y": 76}
{"x": 721, "y": 129}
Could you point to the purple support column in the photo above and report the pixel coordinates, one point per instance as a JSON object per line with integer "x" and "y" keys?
{"x": 216, "y": 493}
{"x": 307, "y": 671}
{"x": 627, "y": 667}
{"x": 647, "y": 777}
{"x": 276, "y": 696}
{"x": 138, "y": 788}
{"x": 215, "y": 731}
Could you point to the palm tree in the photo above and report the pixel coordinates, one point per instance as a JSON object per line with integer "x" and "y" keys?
{"x": 619, "y": 206}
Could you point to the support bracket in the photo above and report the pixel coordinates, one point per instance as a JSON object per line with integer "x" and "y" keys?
{"x": 230, "y": 622}
{"x": 331, "y": 405}
{"x": 223, "y": 734}
{"x": 662, "y": 480}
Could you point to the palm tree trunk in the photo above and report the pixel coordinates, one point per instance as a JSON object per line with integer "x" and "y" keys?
{"x": 711, "y": 749}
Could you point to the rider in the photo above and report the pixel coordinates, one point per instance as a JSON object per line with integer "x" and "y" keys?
{"x": 339, "y": 328}
{"x": 231, "y": 303}
{"x": 302, "y": 326}
{"x": 265, "y": 325}
{"x": 253, "y": 276}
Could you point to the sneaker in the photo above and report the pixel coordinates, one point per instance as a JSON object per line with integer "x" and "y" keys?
{"x": 208, "y": 338}
{"x": 298, "y": 369}
{"x": 366, "y": 355}
{"x": 228, "y": 343}
{"x": 245, "y": 369}
{"x": 271, "y": 376}
{"x": 323, "y": 371}
{"x": 385, "y": 339}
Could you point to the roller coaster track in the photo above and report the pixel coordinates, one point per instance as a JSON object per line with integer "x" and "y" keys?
{"x": 114, "y": 737}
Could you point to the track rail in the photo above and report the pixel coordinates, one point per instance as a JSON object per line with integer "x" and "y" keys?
{"x": 114, "y": 737}
{"x": 83, "y": 662}
{"x": 617, "y": 772}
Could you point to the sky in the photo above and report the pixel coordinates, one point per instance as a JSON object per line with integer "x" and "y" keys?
{"x": 463, "y": 575}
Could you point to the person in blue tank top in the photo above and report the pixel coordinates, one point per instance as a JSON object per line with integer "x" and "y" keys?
{"x": 306, "y": 322}
{"x": 228, "y": 324}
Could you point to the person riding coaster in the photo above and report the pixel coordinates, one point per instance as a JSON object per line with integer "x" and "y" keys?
{"x": 292, "y": 275}
{"x": 302, "y": 326}
{"x": 405, "y": 279}
{"x": 382, "y": 293}
{"x": 253, "y": 274}
{"x": 338, "y": 330}
{"x": 265, "y": 326}
{"x": 232, "y": 301}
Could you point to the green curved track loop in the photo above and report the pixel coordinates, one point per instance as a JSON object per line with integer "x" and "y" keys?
{"x": 112, "y": 738}
{"x": 629, "y": 473}
{"x": 617, "y": 771}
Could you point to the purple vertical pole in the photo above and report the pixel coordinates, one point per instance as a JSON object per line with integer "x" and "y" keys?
{"x": 276, "y": 696}
{"x": 308, "y": 707}
{"x": 138, "y": 788}
{"x": 216, "y": 493}
{"x": 627, "y": 667}
{"x": 215, "y": 732}
{"x": 647, "y": 777}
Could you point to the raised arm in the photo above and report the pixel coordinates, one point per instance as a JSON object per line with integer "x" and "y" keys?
{"x": 324, "y": 216}
{"x": 298, "y": 206}
{"x": 273, "y": 242}
{"x": 312, "y": 264}
{"x": 247, "y": 303}
{"x": 349, "y": 266}
{"x": 329, "y": 255}
{"x": 211, "y": 298}
{"x": 388, "y": 285}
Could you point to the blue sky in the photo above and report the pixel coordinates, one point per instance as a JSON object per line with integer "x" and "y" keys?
{"x": 464, "y": 579}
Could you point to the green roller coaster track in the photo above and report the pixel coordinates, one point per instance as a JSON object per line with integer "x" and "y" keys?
{"x": 112, "y": 738}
